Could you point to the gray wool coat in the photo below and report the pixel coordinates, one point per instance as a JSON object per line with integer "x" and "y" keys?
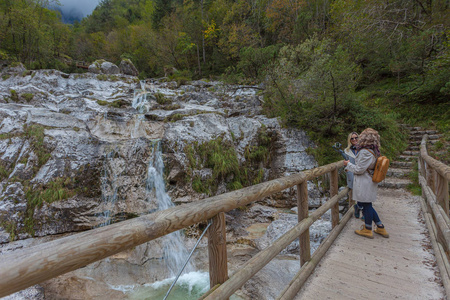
{"x": 351, "y": 158}
{"x": 364, "y": 189}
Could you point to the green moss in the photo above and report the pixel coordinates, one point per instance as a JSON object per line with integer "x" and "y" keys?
{"x": 161, "y": 99}
{"x": 105, "y": 77}
{"x": 5, "y": 76}
{"x": 413, "y": 175}
{"x": 174, "y": 118}
{"x": 28, "y": 96}
{"x": 56, "y": 190}
{"x": 116, "y": 104}
{"x": 4, "y": 172}
{"x": 11, "y": 228}
{"x": 14, "y": 96}
{"x": 35, "y": 134}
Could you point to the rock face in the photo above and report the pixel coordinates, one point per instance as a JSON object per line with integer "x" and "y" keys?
{"x": 75, "y": 150}
{"x": 69, "y": 142}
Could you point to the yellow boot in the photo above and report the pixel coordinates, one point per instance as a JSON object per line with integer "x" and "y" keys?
{"x": 365, "y": 232}
{"x": 382, "y": 232}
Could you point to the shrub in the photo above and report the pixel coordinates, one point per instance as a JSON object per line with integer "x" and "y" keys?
{"x": 28, "y": 96}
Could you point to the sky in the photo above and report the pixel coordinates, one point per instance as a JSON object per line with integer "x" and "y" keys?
{"x": 78, "y": 7}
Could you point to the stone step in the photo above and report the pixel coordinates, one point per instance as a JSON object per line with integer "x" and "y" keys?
{"x": 401, "y": 164}
{"x": 407, "y": 157}
{"x": 395, "y": 183}
{"x": 410, "y": 128}
{"x": 422, "y": 132}
{"x": 411, "y": 153}
{"x": 419, "y": 137}
{"x": 417, "y": 142}
{"x": 413, "y": 148}
{"x": 397, "y": 172}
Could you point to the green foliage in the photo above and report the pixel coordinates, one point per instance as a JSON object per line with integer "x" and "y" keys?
{"x": 35, "y": 134}
{"x": 161, "y": 99}
{"x": 4, "y": 172}
{"x": 14, "y": 96}
{"x": 57, "y": 190}
{"x": 174, "y": 118}
{"x": 10, "y": 227}
{"x": 115, "y": 104}
{"x": 105, "y": 77}
{"x": 414, "y": 187}
{"x": 254, "y": 61}
{"x": 220, "y": 157}
{"x": 28, "y": 96}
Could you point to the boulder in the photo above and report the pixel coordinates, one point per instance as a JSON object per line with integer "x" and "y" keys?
{"x": 127, "y": 67}
{"x": 104, "y": 67}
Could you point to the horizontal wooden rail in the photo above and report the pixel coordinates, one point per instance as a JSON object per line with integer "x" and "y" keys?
{"x": 438, "y": 166}
{"x": 434, "y": 178}
{"x": 441, "y": 219}
{"x": 256, "y": 263}
{"x": 25, "y": 268}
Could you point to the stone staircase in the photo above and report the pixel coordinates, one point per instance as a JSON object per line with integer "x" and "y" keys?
{"x": 397, "y": 175}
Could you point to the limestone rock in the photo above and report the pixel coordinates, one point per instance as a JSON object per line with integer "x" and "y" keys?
{"x": 127, "y": 67}
{"x": 104, "y": 67}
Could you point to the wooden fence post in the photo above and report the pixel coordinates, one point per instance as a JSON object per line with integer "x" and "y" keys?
{"x": 334, "y": 191}
{"x": 430, "y": 178}
{"x": 217, "y": 251}
{"x": 422, "y": 171}
{"x": 303, "y": 212}
{"x": 442, "y": 192}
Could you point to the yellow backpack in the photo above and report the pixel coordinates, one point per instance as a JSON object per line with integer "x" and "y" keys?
{"x": 381, "y": 168}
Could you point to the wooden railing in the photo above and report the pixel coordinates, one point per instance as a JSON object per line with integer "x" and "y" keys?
{"x": 22, "y": 269}
{"x": 434, "y": 177}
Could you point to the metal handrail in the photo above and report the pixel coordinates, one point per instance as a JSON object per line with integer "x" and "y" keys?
{"x": 187, "y": 260}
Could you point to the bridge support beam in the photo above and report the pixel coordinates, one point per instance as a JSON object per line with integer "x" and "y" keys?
{"x": 217, "y": 251}
{"x": 303, "y": 212}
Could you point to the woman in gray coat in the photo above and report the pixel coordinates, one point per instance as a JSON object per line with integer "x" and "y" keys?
{"x": 351, "y": 152}
{"x": 364, "y": 189}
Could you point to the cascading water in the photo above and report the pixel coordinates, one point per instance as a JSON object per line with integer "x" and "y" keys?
{"x": 140, "y": 98}
{"x": 175, "y": 253}
{"x": 109, "y": 188}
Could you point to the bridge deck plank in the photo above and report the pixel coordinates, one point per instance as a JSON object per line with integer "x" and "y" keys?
{"x": 401, "y": 267}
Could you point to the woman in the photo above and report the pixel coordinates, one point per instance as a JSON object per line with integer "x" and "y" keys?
{"x": 352, "y": 141}
{"x": 364, "y": 189}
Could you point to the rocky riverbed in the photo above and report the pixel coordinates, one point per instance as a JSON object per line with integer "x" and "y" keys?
{"x": 75, "y": 151}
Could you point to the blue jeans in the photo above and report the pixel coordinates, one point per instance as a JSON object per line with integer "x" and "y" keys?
{"x": 369, "y": 214}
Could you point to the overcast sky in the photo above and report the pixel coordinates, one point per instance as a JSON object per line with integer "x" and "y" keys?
{"x": 85, "y": 7}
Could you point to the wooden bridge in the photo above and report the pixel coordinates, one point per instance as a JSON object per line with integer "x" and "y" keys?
{"x": 345, "y": 266}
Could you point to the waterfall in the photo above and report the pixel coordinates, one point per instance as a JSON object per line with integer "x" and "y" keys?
{"x": 140, "y": 98}
{"x": 175, "y": 253}
{"x": 109, "y": 187}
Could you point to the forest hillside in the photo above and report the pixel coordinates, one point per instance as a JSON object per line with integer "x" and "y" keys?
{"x": 327, "y": 66}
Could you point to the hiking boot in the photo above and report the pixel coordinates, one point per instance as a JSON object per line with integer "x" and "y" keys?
{"x": 382, "y": 232}
{"x": 365, "y": 232}
{"x": 357, "y": 211}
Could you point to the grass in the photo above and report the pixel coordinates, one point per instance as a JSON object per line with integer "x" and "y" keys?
{"x": 35, "y": 134}
{"x": 28, "y": 96}
{"x": 56, "y": 190}
{"x": 220, "y": 156}
{"x": 115, "y": 104}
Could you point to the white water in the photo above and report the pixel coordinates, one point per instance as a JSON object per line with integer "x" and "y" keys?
{"x": 175, "y": 253}
{"x": 109, "y": 188}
